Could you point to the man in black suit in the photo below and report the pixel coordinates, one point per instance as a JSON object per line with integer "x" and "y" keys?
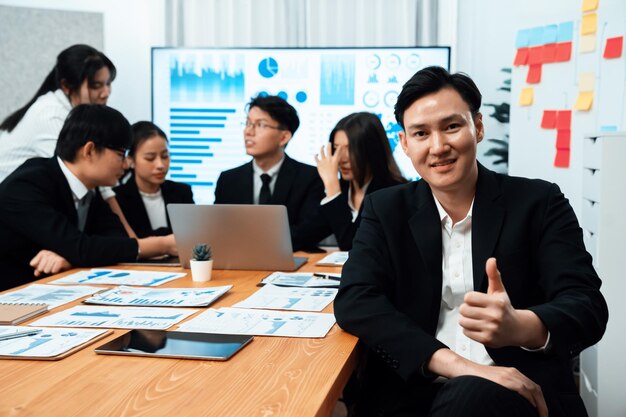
{"x": 448, "y": 332}
{"x": 52, "y": 216}
{"x": 272, "y": 177}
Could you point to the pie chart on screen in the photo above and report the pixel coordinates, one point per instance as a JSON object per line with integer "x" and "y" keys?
{"x": 268, "y": 67}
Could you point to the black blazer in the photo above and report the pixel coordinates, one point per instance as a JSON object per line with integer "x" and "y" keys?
{"x": 390, "y": 291}
{"x": 298, "y": 187}
{"x": 133, "y": 208}
{"x": 335, "y": 217}
{"x": 37, "y": 212}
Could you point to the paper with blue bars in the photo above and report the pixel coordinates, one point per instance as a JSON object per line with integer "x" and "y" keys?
{"x": 159, "y": 297}
{"x": 120, "y": 277}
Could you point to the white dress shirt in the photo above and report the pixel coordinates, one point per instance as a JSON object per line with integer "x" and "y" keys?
{"x": 258, "y": 183}
{"x": 78, "y": 188}
{"x": 353, "y": 210}
{"x": 457, "y": 280}
{"x": 36, "y": 134}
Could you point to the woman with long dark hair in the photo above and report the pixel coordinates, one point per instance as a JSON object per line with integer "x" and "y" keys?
{"x": 81, "y": 75}
{"x": 144, "y": 197}
{"x": 359, "y": 150}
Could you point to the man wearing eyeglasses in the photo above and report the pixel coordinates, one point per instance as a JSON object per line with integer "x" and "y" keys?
{"x": 52, "y": 216}
{"x": 272, "y": 177}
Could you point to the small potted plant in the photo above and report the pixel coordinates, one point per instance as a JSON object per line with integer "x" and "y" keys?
{"x": 201, "y": 262}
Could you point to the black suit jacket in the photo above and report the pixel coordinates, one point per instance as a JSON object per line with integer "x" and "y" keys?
{"x": 133, "y": 208}
{"x": 390, "y": 291}
{"x": 335, "y": 217}
{"x": 298, "y": 187}
{"x": 37, "y": 212}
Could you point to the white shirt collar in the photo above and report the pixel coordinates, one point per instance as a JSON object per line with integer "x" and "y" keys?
{"x": 444, "y": 216}
{"x": 78, "y": 188}
{"x": 272, "y": 172}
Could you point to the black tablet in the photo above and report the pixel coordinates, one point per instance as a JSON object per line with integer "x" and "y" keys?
{"x": 171, "y": 344}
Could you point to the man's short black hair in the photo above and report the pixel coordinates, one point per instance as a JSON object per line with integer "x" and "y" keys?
{"x": 104, "y": 126}
{"x": 278, "y": 108}
{"x": 432, "y": 79}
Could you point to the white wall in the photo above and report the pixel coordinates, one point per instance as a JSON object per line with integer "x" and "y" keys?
{"x": 131, "y": 28}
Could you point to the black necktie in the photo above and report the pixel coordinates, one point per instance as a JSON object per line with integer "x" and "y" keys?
{"x": 83, "y": 209}
{"x": 265, "y": 195}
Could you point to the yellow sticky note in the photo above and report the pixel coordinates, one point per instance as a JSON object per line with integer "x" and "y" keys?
{"x": 526, "y": 97}
{"x": 584, "y": 101}
{"x": 586, "y": 81}
{"x": 590, "y": 5}
{"x": 589, "y": 24}
{"x": 587, "y": 43}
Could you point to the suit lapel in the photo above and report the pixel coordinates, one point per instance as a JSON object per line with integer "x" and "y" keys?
{"x": 426, "y": 230}
{"x": 138, "y": 208}
{"x": 247, "y": 184}
{"x": 284, "y": 181}
{"x": 487, "y": 218}
{"x": 65, "y": 192}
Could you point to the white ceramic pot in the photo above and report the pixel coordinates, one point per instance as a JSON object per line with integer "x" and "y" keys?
{"x": 201, "y": 270}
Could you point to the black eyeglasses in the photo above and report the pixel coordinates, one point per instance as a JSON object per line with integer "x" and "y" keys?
{"x": 121, "y": 152}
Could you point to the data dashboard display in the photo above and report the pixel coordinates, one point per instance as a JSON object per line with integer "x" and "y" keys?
{"x": 199, "y": 99}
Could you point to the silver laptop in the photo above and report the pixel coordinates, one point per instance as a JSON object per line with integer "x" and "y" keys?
{"x": 241, "y": 236}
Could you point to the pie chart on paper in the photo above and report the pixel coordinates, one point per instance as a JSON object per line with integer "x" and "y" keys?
{"x": 268, "y": 67}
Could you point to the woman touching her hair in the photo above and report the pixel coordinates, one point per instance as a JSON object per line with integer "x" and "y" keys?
{"x": 144, "y": 197}
{"x": 359, "y": 151}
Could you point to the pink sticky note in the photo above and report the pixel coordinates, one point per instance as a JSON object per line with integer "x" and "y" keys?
{"x": 563, "y": 139}
{"x": 561, "y": 160}
{"x": 563, "y": 52}
{"x": 535, "y": 55}
{"x": 548, "y": 121}
{"x": 521, "y": 57}
{"x": 613, "y": 48}
{"x": 534, "y": 74}
{"x": 549, "y": 53}
{"x": 564, "y": 120}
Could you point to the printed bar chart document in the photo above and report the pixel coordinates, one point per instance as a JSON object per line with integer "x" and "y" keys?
{"x": 333, "y": 259}
{"x": 260, "y": 323}
{"x": 302, "y": 279}
{"x": 49, "y": 344}
{"x": 52, "y": 295}
{"x": 120, "y": 277}
{"x": 159, "y": 297}
{"x": 289, "y": 298}
{"x": 116, "y": 317}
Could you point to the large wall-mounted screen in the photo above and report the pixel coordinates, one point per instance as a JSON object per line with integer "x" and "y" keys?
{"x": 199, "y": 97}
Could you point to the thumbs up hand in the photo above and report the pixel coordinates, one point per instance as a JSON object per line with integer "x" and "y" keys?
{"x": 490, "y": 318}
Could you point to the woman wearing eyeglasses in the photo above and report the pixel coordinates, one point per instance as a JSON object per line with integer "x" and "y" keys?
{"x": 144, "y": 197}
{"x": 359, "y": 151}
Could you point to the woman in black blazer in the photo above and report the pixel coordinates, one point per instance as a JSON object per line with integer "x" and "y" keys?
{"x": 144, "y": 197}
{"x": 359, "y": 150}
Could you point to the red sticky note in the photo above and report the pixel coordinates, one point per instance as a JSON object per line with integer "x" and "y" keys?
{"x": 535, "y": 55}
{"x": 561, "y": 160}
{"x": 563, "y": 139}
{"x": 549, "y": 52}
{"x": 548, "y": 121}
{"x": 534, "y": 74}
{"x": 521, "y": 57}
{"x": 563, "y": 52}
{"x": 564, "y": 120}
{"x": 613, "y": 48}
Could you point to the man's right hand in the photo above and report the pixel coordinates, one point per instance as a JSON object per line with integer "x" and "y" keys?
{"x": 48, "y": 262}
{"x": 447, "y": 363}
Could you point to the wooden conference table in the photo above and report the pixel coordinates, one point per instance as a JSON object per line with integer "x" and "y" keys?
{"x": 273, "y": 376}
